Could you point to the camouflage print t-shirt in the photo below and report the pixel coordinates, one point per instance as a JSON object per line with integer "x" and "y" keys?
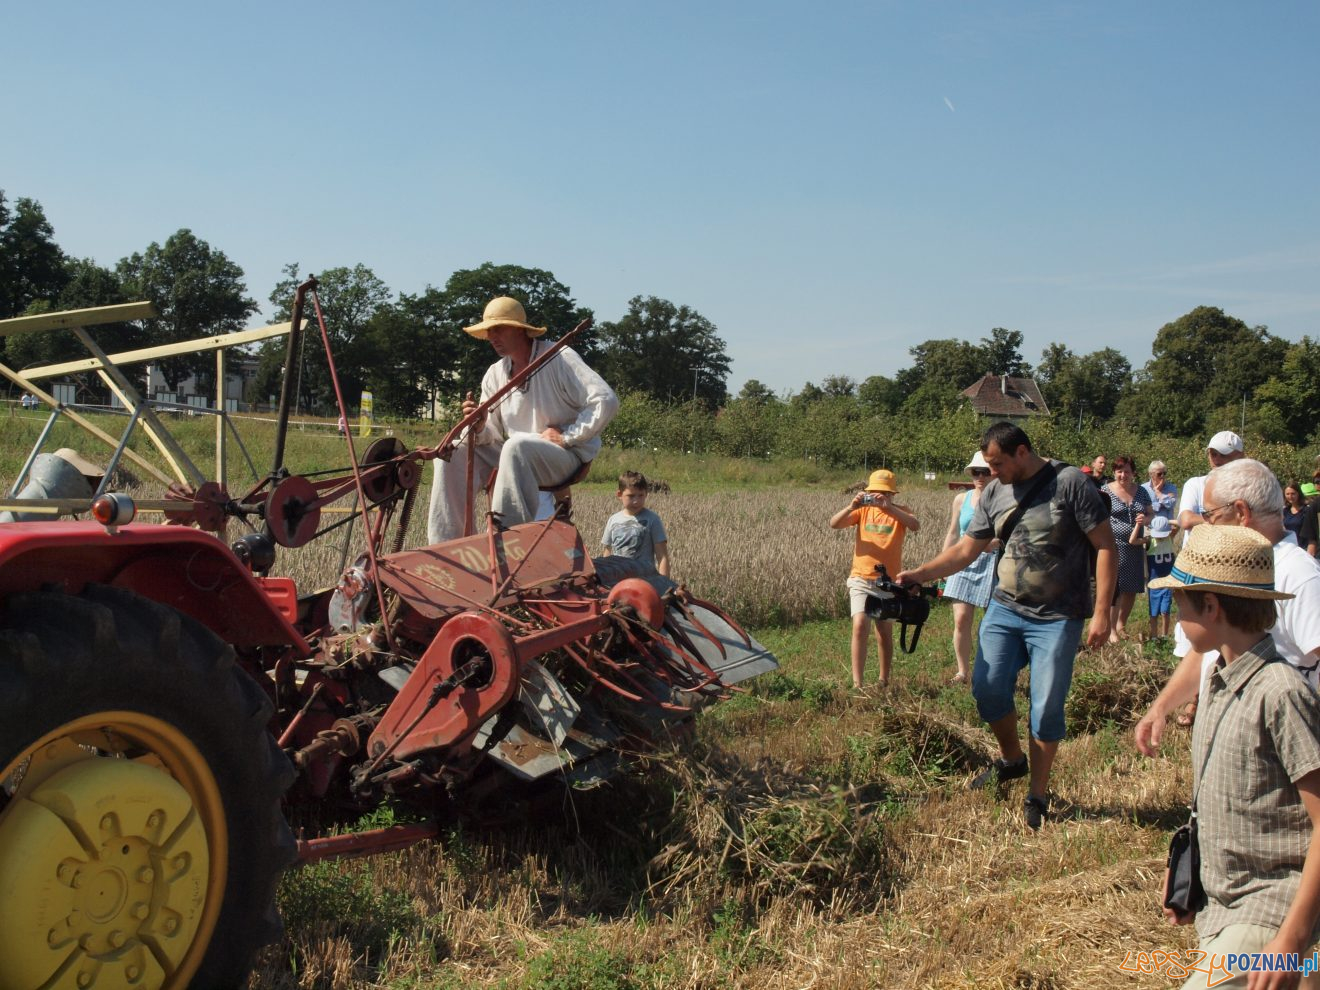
{"x": 1045, "y": 570}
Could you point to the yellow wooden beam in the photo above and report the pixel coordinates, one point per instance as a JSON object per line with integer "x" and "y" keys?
{"x": 163, "y": 351}
{"x": 69, "y": 318}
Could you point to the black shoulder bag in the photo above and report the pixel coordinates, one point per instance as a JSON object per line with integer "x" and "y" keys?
{"x": 1183, "y": 891}
{"x": 1043, "y": 478}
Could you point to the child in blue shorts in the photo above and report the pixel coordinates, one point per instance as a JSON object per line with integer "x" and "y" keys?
{"x": 1159, "y": 561}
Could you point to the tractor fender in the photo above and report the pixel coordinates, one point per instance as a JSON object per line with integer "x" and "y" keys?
{"x": 183, "y": 568}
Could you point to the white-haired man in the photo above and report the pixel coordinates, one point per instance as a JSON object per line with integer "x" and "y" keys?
{"x": 539, "y": 435}
{"x": 1245, "y": 492}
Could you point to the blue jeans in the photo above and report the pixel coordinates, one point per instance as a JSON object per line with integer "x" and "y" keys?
{"x": 1009, "y": 642}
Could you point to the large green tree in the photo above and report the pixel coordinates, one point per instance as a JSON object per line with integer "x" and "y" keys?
{"x": 880, "y": 395}
{"x": 31, "y": 263}
{"x": 757, "y": 393}
{"x": 399, "y": 359}
{"x": 87, "y": 285}
{"x": 944, "y": 363}
{"x": 198, "y": 292}
{"x": 350, "y": 299}
{"x": 459, "y": 360}
{"x": 1003, "y": 353}
{"x": 668, "y": 352}
{"x": 1083, "y": 385}
{"x": 1203, "y": 361}
{"x": 839, "y": 386}
{"x": 1292, "y": 396}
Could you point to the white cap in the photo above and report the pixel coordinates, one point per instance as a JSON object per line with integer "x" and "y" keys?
{"x": 1160, "y": 528}
{"x": 1225, "y": 442}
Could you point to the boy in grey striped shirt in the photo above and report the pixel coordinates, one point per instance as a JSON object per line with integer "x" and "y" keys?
{"x": 1256, "y": 765}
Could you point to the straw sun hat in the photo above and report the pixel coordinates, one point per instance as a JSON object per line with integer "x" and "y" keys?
{"x": 1232, "y": 560}
{"x": 84, "y": 467}
{"x": 503, "y": 311}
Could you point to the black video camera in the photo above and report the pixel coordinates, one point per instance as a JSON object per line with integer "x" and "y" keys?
{"x": 907, "y": 605}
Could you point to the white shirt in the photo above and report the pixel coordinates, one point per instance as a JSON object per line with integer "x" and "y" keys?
{"x": 1297, "y": 631}
{"x": 1192, "y": 493}
{"x": 565, "y": 394}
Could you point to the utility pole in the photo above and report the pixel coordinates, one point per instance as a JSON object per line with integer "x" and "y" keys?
{"x": 695, "y": 371}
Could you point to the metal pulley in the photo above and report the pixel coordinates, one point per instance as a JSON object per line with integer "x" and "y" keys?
{"x": 402, "y": 475}
{"x": 292, "y": 514}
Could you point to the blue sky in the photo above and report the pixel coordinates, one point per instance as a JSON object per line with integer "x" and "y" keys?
{"x": 828, "y": 184}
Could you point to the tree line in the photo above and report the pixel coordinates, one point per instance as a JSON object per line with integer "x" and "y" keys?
{"x": 1207, "y": 370}
{"x": 408, "y": 349}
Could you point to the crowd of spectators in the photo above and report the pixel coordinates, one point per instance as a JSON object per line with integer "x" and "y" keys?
{"x": 1072, "y": 542}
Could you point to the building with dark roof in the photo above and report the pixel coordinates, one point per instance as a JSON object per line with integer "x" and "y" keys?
{"x": 1005, "y": 397}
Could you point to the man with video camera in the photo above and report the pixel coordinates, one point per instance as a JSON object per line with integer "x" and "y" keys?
{"x": 881, "y": 525}
{"x": 1047, "y": 517}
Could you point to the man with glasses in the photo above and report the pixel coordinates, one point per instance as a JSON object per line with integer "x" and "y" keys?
{"x": 1163, "y": 493}
{"x": 1246, "y": 493}
{"x": 1223, "y": 448}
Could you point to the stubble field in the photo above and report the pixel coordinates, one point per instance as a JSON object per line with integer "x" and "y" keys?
{"x": 806, "y": 839}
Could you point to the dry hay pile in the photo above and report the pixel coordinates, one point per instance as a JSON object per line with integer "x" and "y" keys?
{"x": 1115, "y": 683}
{"x": 759, "y": 832}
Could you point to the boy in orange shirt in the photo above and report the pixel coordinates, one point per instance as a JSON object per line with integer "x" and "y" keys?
{"x": 881, "y": 525}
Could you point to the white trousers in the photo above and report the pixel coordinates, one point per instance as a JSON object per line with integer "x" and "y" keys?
{"x": 524, "y": 463}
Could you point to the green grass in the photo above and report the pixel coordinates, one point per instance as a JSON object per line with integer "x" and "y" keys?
{"x": 342, "y": 898}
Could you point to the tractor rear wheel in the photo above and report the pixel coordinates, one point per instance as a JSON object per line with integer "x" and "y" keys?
{"x": 141, "y": 835}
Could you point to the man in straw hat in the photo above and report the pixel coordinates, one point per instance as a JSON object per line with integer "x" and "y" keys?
{"x": 1245, "y": 493}
{"x": 1048, "y": 517}
{"x": 1256, "y": 765}
{"x": 881, "y": 526}
{"x": 540, "y": 434}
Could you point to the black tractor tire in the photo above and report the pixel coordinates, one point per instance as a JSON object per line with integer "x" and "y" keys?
{"x": 110, "y": 663}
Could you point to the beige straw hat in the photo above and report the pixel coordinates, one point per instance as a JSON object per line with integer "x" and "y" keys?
{"x": 503, "y": 311}
{"x": 1231, "y": 560}
{"x": 83, "y": 466}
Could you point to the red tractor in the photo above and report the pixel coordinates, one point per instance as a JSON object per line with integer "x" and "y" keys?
{"x": 164, "y": 701}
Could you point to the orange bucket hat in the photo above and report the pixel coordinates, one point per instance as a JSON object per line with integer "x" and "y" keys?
{"x": 881, "y": 481}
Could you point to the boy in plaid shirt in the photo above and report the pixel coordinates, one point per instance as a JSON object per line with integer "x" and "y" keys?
{"x": 1256, "y": 760}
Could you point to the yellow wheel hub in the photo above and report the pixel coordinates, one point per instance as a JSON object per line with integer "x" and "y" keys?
{"x": 108, "y": 860}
